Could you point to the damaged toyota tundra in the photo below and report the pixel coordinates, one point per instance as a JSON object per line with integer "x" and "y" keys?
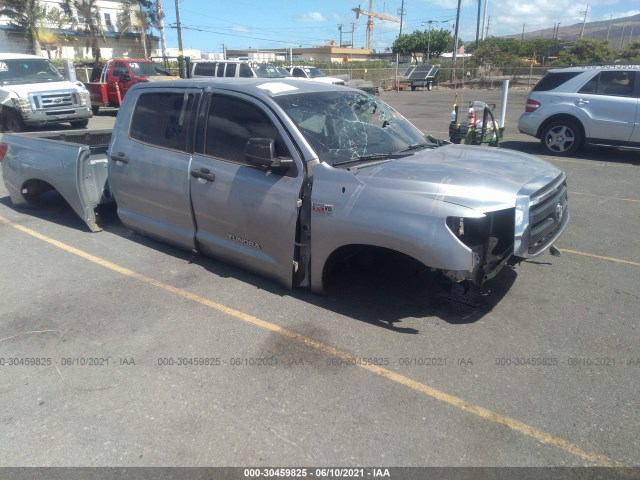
{"x": 288, "y": 178}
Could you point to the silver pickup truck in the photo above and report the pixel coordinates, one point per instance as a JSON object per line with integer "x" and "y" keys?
{"x": 288, "y": 178}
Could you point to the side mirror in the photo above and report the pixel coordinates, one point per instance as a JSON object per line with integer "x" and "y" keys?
{"x": 125, "y": 76}
{"x": 261, "y": 152}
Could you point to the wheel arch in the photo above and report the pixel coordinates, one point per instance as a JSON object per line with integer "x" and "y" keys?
{"x": 562, "y": 117}
{"x": 366, "y": 255}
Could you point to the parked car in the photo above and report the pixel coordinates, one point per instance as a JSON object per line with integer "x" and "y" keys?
{"x": 235, "y": 68}
{"x": 314, "y": 73}
{"x": 571, "y": 107}
{"x": 118, "y": 75}
{"x": 34, "y": 93}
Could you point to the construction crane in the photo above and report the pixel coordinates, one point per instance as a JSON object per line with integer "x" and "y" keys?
{"x": 371, "y": 14}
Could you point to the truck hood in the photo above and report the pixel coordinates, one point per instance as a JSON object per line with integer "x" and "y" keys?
{"x": 161, "y": 78}
{"x": 24, "y": 89}
{"x": 482, "y": 178}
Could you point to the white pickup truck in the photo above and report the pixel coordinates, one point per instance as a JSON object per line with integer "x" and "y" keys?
{"x": 34, "y": 93}
{"x": 288, "y": 178}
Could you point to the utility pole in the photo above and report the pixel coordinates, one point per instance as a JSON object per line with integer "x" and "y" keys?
{"x": 609, "y": 29}
{"x": 395, "y": 75}
{"x": 621, "y": 37}
{"x": 180, "y": 52}
{"x": 478, "y": 23}
{"x": 163, "y": 39}
{"x": 484, "y": 18}
{"x": 455, "y": 35}
{"x": 488, "y": 24}
{"x": 584, "y": 21}
{"x": 340, "y": 30}
{"x": 522, "y": 36}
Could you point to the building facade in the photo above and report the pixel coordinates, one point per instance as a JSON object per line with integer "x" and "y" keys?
{"x": 67, "y": 36}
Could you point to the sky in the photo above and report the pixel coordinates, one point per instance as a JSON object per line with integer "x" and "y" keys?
{"x": 241, "y": 24}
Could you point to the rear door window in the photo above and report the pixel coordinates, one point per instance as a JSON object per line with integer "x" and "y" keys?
{"x": 163, "y": 119}
{"x": 231, "y": 70}
{"x": 205, "y": 69}
{"x": 553, "y": 80}
{"x": 245, "y": 71}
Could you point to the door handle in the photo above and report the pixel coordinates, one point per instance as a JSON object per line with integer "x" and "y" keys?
{"x": 119, "y": 157}
{"x": 203, "y": 173}
{"x": 582, "y": 102}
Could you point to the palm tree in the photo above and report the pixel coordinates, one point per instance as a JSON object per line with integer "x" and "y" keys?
{"x": 159, "y": 24}
{"x": 133, "y": 18}
{"x": 26, "y": 15}
{"x": 48, "y": 39}
{"x": 90, "y": 13}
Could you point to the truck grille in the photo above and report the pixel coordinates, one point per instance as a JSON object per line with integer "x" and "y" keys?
{"x": 55, "y": 101}
{"x": 547, "y": 215}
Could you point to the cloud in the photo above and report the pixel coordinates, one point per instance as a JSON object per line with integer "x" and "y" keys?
{"x": 311, "y": 17}
{"x": 240, "y": 28}
{"x": 630, "y": 13}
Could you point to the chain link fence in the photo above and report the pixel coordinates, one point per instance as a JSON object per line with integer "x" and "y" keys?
{"x": 447, "y": 77}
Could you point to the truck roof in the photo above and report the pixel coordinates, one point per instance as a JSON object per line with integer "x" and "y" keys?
{"x": 271, "y": 87}
{"x": 19, "y": 56}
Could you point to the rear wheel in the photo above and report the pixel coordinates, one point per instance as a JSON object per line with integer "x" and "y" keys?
{"x": 13, "y": 121}
{"x": 562, "y": 137}
{"x": 80, "y": 123}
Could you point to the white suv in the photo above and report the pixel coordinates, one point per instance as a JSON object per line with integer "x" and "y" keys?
{"x": 313, "y": 73}
{"x": 570, "y": 107}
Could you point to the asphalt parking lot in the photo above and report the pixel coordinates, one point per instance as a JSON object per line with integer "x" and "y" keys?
{"x": 155, "y": 360}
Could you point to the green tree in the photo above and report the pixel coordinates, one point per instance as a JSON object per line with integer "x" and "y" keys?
{"x": 89, "y": 12}
{"x": 137, "y": 17}
{"x": 587, "y": 51}
{"x": 631, "y": 52}
{"x": 48, "y": 39}
{"x": 425, "y": 43}
{"x": 27, "y": 16}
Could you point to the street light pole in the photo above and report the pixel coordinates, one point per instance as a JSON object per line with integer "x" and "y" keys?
{"x": 429, "y": 42}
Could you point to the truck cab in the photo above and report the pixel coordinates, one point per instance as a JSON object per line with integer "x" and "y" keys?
{"x": 34, "y": 93}
{"x": 118, "y": 75}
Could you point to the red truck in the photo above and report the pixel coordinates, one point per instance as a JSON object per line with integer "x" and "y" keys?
{"x": 118, "y": 75}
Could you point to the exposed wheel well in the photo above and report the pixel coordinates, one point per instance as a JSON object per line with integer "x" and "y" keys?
{"x": 370, "y": 259}
{"x": 32, "y": 190}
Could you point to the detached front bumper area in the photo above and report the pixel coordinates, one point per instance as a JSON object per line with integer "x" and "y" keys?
{"x": 525, "y": 231}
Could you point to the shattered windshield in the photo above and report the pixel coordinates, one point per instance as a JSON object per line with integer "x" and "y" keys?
{"x": 36, "y": 70}
{"x": 345, "y": 127}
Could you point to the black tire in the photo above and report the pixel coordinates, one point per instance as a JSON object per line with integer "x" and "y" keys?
{"x": 562, "y": 137}
{"x": 13, "y": 122}
{"x": 413, "y": 88}
{"x": 80, "y": 123}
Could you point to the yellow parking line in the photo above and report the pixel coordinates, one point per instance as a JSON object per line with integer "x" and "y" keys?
{"x": 605, "y": 197}
{"x": 594, "y": 163}
{"x": 600, "y": 257}
{"x": 515, "y": 425}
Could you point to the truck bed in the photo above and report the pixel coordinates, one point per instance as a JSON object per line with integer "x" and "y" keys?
{"x": 72, "y": 162}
